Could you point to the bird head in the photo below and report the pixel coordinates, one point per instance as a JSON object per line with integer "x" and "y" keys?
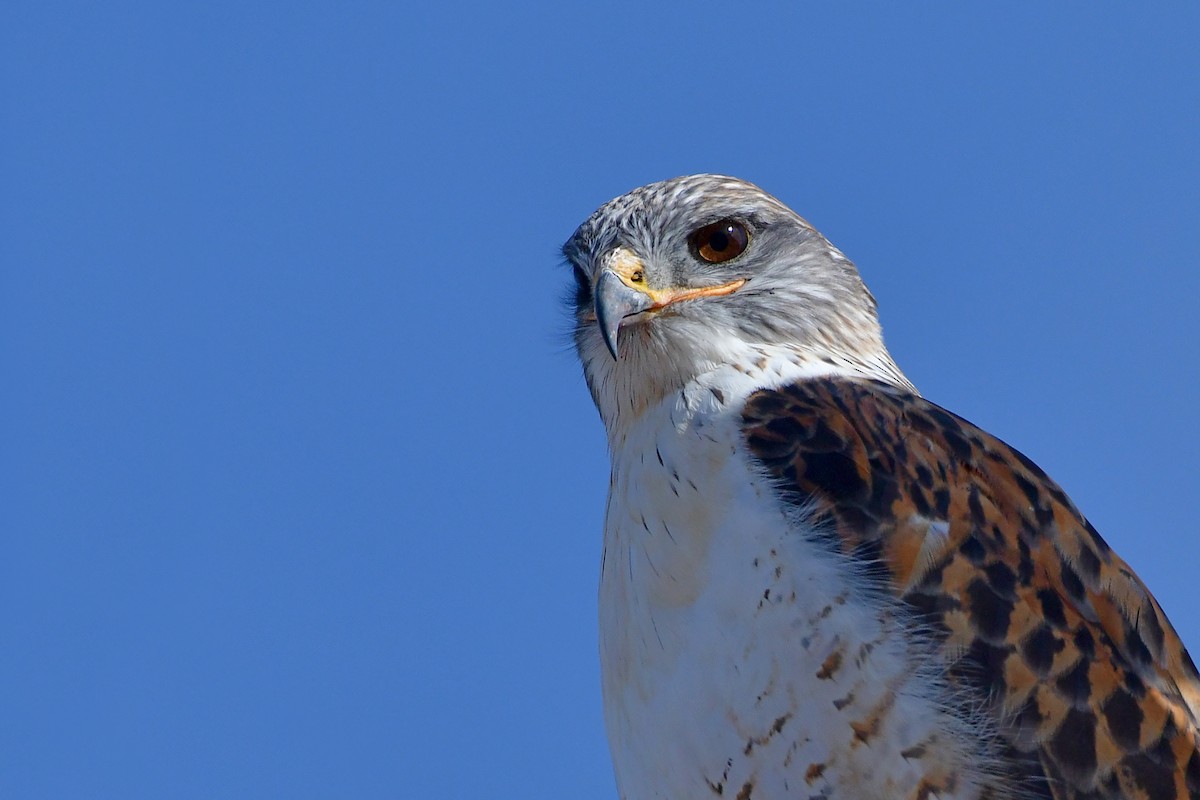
{"x": 681, "y": 277}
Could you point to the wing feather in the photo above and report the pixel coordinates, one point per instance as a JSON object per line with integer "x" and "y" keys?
{"x": 1076, "y": 659}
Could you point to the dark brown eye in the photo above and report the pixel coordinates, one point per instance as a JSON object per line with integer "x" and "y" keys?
{"x": 721, "y": 241}
{"x": 583, "y": 289}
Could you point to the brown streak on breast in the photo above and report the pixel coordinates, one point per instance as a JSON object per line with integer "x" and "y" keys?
{"x": 866, "y": 728}
{"x": 831, "y": 664}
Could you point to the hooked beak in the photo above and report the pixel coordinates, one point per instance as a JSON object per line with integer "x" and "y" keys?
{"x": 617, "y": 301}
{"x": 614, "y": 302}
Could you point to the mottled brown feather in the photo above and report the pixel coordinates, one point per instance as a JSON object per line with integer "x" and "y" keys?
{"x": 1078, "y": 663}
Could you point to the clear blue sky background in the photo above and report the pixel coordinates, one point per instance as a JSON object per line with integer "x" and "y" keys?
{"x": 302, "y": 489}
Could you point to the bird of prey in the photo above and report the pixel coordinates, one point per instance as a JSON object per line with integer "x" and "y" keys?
{"x": 818, "y": 584}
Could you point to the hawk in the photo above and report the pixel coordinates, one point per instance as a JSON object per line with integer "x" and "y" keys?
{"x": 815, "y": 582}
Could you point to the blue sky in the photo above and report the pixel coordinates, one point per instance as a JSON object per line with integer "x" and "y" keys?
{"x": 302, "y": 487}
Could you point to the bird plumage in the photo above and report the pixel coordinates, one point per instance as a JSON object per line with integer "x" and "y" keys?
{"x": 815, "y": 582}
{"x": 1033, "y": 611}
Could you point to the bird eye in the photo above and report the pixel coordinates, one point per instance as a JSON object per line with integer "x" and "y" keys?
{"x": 719, "y": 242}
{"x": 583, "y": 288}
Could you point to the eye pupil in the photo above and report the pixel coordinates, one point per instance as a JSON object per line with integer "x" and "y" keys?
{"x": 719, "y": 242}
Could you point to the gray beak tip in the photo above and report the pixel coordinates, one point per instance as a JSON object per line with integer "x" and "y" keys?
{"x": 610, "y": 341}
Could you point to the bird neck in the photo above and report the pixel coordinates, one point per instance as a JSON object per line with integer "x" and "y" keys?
{"x": 625, "y": 394}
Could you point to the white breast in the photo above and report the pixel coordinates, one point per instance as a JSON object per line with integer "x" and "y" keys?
{"x": 739, "y": 658}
